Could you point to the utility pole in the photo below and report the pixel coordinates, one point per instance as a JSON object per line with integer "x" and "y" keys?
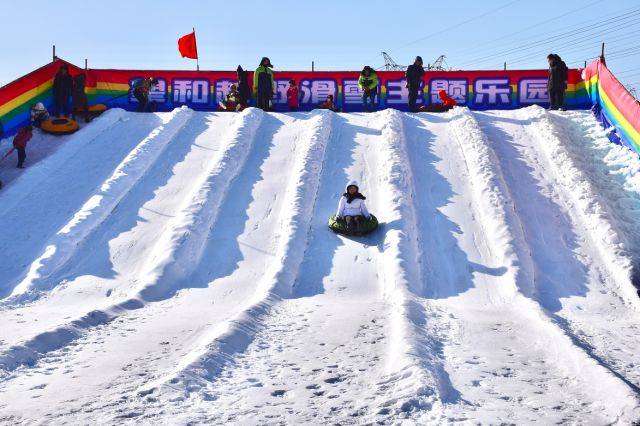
{"x": 602, "y": 55}
{"x": 313, "y": 66}
{"x": 505, "y": 66}
{"x": 86, "y": 64}
{"x": 54, "y": 53}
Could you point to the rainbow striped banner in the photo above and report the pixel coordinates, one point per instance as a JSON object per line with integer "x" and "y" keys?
{"x": 613, "y": 105}
{"x": 17, "y": 97}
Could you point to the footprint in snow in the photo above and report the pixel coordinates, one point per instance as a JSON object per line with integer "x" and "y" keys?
{"x": 278, "y": 392}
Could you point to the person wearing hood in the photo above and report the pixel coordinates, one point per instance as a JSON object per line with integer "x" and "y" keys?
{"x": 38, "y": 114}
{"x": 557, "y": 81}
{"x": 62, "y": 87}
{"x": 244, "y": 92}
{"x": 263, "y": 84}
{"x": 352, "y": 207}
{"x": 368, "y": 83}
{"x": 414, "y": 78}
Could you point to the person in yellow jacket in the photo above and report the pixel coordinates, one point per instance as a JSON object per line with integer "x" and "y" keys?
{"x": 263, "y": 84}
{"x": 368, "y": 83}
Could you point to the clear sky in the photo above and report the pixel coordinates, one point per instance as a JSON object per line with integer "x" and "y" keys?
{"x": 337, "y": 35}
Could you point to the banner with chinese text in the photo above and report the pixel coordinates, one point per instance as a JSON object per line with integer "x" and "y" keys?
{"x": 205, "y": 89}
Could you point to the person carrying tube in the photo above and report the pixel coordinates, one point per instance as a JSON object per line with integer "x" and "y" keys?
{"x": 263, "y": 84}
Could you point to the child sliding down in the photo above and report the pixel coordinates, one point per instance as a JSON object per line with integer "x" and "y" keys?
{"x": 352, "y": 208}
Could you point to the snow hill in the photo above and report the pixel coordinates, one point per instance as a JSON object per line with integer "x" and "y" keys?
{"x": 176, "y": 268}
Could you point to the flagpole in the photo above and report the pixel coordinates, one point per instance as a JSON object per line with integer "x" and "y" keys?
{"x": 197, "y": 56}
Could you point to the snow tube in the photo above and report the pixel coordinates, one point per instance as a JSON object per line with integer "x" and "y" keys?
{"x": 59, "y": 126}
{"x": 435, "y": 108}
{"x": 94, "y": 110}
{"x": 340, "y": 226}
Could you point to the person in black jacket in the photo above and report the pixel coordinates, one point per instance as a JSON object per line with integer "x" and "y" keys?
{"x": 557, "y": 82}
{"x": 80, "y": 103}
{"x": 243, "y": 87}
{"x": 62, "y": 87}
{"x": 414, "y": 78}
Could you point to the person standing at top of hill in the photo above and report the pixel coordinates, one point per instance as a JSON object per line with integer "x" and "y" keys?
{"x": 293, "y": 96}
{"x": 244, "y": 92}
{"x": 80, "y": 103}
{"x": 368, "y": 83}
{"x": 263, "y": 84}
{"x": 414, "y": 75}
{"x": 141, "y": 92}
{"x": 557, "y": 82}
{"x": 62, "y": 87}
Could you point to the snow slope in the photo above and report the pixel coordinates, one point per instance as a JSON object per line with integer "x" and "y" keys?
{"x": 176, "y": 268}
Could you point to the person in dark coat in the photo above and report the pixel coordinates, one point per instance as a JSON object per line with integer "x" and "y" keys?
{"x": 263, "y": 84}
{"x": 20, "y": 144}
{"x": 62, "y": 88}
{"x": 141, "y": 93}
{"x": 80, "y": 103}
{"x": 557, "y": 82}
{"x": 414, "y": 78}
{"x": 243, "y": 87}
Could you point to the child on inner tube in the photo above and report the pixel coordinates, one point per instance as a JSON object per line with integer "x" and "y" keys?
{"x": 352, "y": 208}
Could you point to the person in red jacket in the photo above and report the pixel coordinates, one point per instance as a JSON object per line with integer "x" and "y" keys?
{"x": 293, "y": 100}
{"x": 447, "y": 100}
{"x": 20, "y": 144}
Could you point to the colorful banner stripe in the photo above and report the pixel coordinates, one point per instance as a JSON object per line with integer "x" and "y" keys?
{"x": 613, "y": 105}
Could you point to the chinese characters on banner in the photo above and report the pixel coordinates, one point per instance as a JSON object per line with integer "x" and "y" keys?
{"x": 489, "y": 90}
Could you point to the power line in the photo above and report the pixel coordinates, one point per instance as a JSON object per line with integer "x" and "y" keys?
{"x": 616, "y": 21}
{"x": 577, "y": 47}
{"x": 510, "y": 35}
{"x": 459, "y": 24}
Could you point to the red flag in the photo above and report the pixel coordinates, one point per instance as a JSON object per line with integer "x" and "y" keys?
{"x": 187, "y": 46}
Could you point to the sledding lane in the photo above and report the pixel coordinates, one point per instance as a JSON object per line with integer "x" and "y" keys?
{"x": 52, "y": 192}
{"x": 211, "y": 291}
{"x": 575, "y": 283}
{"x": 95, "y": 267}
{"x": 334, "y": 325}
{"x": 494, "y": 343}
{"x": 569, "y": 370}
{"x": 218, "y": 288}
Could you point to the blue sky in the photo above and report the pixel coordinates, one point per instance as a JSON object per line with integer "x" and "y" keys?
{"x": 337, "y": 35}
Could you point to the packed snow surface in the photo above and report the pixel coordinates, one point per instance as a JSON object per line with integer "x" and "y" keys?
{"x": 176, "y": 268}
